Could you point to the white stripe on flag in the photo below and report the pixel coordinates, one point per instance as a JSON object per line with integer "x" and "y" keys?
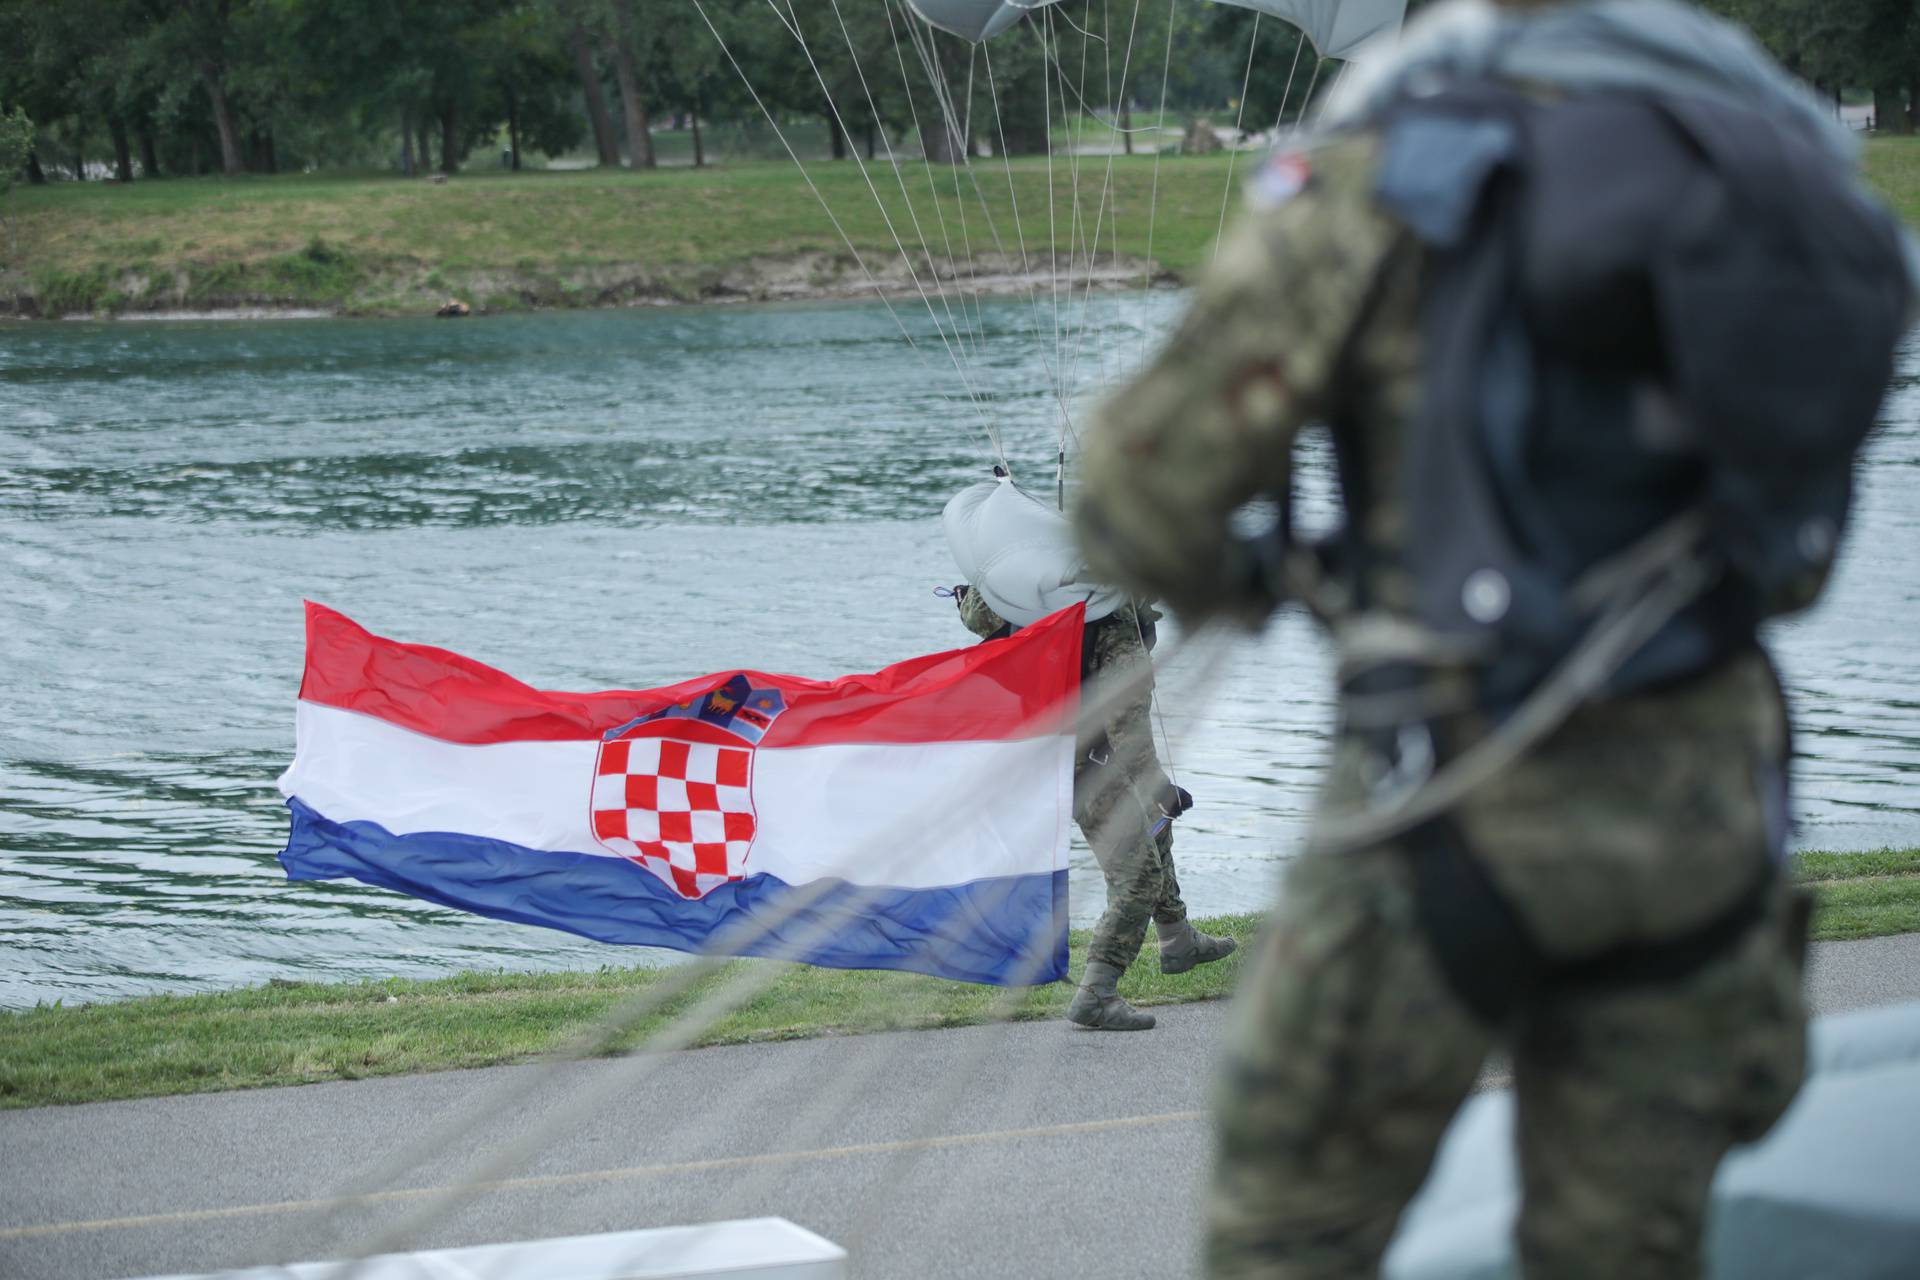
{"x": 817, "y": 806}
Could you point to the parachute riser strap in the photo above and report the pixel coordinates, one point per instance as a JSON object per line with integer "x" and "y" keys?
{"x": 1614, "y": 638}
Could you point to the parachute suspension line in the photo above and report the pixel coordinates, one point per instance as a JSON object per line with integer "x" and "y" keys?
{"x": 1159, "y": 141}
{"x": 913, "y": 215}
{"x": 827, "y": 208}
{"x": 1044, "y": 32}
{"x": 1106, "y": 197}
{"x": 943, "y": 94}
{"x": 1153, "y": 701}
{"x": 1300, "y": 46}
{"x": 1013, "y": 197}
{"x": 1226, "y": 195}
{"x": 793, "y": 27}
{"x": 975, "y": 322}
{"x": 1332, "y": 89}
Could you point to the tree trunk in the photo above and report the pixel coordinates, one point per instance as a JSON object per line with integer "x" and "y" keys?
{"x": 941, "y": 142}
{"x": 230, "y": 161}
{"x": 699, "y": 151}
{"x": 513, "y": 128}
{"x": 1913, "y": 103}
{"x": 1126, "y": 127}
{"x": 122, "y": 153}
{"x": 261, "y": 147}
{"x": 423, "y": 140}
{"x": 872, "y": 138}
{"x": 406, "y": 146}
{"x": 1889, "y": 111}
{"x": 35, "y": 174}
{"x": 449, "y": 140}
{"x": 149, "y": 154}
{"x": 837, "y": 135}
{"x": 79, "y": 167}
{"x": 596, "y": 101}
{"x": 639, "y": 128}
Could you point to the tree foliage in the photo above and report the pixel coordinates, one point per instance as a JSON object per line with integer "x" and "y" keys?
{"x": 150, "y": 87}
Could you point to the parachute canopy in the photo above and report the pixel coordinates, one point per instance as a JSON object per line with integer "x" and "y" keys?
{"x": 1020, "y": 555}
{"x": 1336, "y": 27}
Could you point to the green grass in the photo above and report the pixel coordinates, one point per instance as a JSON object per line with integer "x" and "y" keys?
{"x": 566, "y": 238}
{"x": 1893, "y": 168}
{"x": 597, "y": 237}
{"x": 1863, "y": 895}
{"x": 297, "y": 1033}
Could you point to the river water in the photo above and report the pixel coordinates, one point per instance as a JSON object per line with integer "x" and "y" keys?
{"x": 596, "y": 500}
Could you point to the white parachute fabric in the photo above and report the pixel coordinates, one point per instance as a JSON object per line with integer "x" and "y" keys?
{"x": 1336, "y": 27}
{"x": 1020, "y": 555}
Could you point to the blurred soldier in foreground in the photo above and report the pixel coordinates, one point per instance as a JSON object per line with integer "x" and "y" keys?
{"x": 1022, "y": 556}
{"x": 1596, "y": 314}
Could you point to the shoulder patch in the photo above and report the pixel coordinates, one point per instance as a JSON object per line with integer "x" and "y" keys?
{"x": 1284, "y": 176}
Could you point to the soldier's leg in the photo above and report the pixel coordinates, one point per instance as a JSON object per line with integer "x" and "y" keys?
{"x": 1182, "y": 947}
{"x": 1347, "y": 1056}
{"x": 1118, "y": 829}
{"x": 1171, "y": 909}
{"x": 1117, "y": 826}
{"x": 1628, "y": 1099}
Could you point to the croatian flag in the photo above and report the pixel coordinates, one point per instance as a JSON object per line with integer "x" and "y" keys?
{"x": 916, "y": 818}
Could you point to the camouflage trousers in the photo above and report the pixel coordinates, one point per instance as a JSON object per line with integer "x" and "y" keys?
{"x": 1350, "y": 1054}
{"x": 1136, "y": 862}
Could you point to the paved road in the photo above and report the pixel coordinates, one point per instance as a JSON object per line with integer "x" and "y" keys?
{"x": 1031, "y": 1150}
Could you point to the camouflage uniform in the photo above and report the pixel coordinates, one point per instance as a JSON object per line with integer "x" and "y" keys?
{"x": 1637, "y": 820}
{"x": 1117, "y": 785}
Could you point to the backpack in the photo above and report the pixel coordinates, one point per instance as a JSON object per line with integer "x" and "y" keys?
{"x": 1634, "y": 307}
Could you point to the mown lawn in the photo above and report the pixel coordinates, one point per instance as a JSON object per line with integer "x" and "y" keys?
{"x": 299, "y": 1033}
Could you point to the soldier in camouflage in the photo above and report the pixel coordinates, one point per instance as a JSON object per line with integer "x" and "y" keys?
{"x": 1640, "y": 820}
{"x": 1125, "y": 805}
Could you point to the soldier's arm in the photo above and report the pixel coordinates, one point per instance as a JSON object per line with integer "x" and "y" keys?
{"x": 1211, "y": 422}
{"x": 976, "y": 616}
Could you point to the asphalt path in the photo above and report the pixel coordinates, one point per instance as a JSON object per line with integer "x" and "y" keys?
{"x": 1027, "y": 1150}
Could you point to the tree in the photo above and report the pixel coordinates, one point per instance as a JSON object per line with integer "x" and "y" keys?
{"x": 16, "y": 144}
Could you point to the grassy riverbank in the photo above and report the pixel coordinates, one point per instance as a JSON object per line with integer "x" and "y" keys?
{"x": 501, "y": 241}
{"x": 377, "y": 244}
{"x": 299, "y": 1033}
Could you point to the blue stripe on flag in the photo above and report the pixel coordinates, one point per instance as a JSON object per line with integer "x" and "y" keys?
{"x": 996, "y": 931}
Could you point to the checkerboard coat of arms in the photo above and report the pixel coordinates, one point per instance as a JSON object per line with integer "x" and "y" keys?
{"x": 673, "y": 790}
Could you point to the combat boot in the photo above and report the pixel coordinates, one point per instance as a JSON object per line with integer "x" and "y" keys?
{"x": 1182, "y": 947}
{"x": 1098, "y": 1007}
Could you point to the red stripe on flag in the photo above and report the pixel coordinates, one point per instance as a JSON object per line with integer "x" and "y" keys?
{"x": 1019, "y": 687}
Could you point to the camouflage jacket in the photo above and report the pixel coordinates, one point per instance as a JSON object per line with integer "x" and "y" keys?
{"x": 1113, "y": 647}
{"x": 1311, "y": 315}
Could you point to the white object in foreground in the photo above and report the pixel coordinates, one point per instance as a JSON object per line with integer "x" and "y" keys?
{"x": 1829, "y": 1192}
{"x": 747, "y": 1249}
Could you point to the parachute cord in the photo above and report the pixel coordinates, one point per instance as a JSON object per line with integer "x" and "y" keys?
{"x": 1043, "y": 33}
{"x": 1099, "y": 221}
{"x": 827, "y": 208}
{"x": 793, "y": 26}
{"x": 1332, "y": 89}
{"x": 975, "y": 322}
{"x": 1299, "y": 47}
{"x": 1153, "y": 700}
{"x": 913, "y": 214}
{"x": 1159, "y": 142}
{"x": 943, "y": 95}
{"x": 1227, "y": 194}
